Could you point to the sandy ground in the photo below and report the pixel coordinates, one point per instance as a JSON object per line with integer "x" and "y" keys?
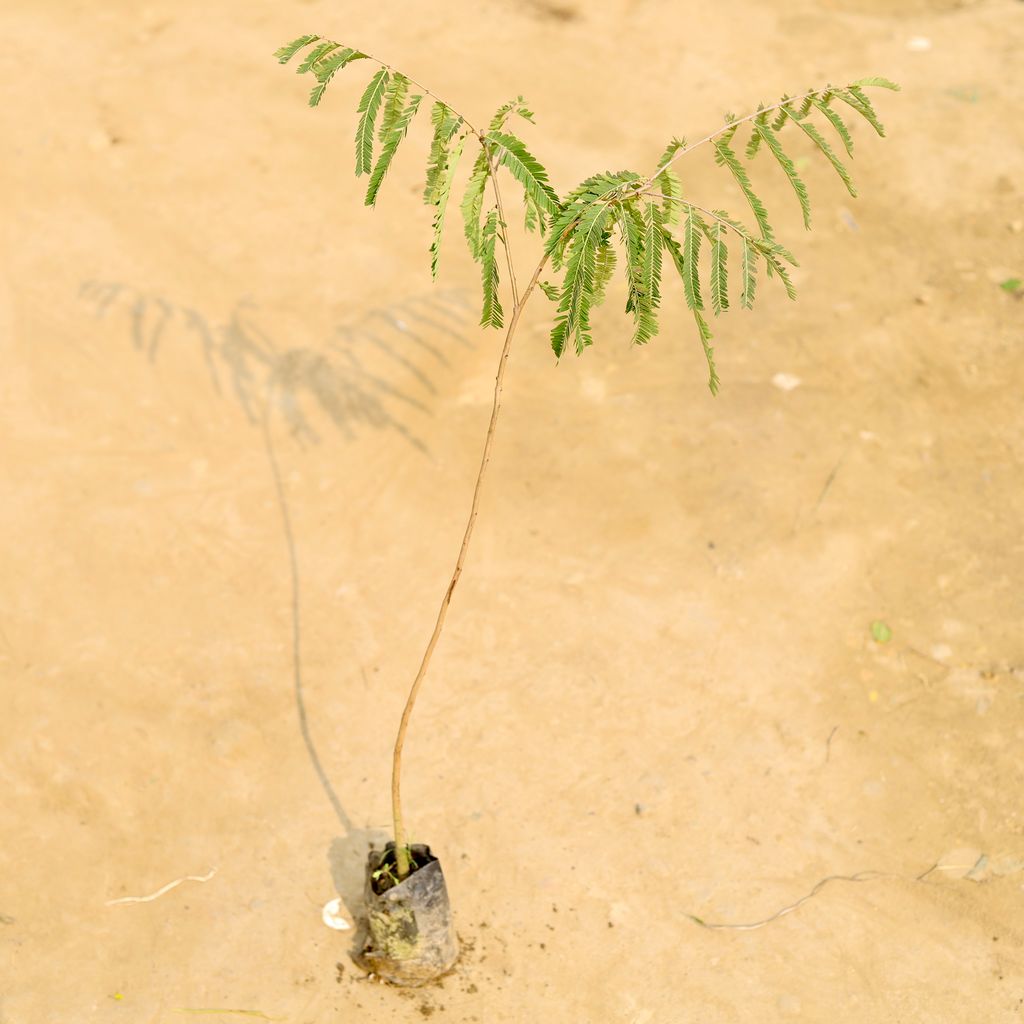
{"x": 233, "y": 488}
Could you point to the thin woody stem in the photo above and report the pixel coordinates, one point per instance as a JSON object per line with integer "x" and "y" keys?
{"x": 733, "y": 124}
{"x": 419, "y": 85}
{"x": 402, "y": 864}
{"x": 504, "y": 225}
{"x": 703, "y": 209}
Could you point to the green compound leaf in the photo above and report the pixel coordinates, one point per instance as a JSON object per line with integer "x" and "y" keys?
{"x": 314, "y": 55}
{"x": 815, "y": 136}
{"x": 772, "y": 141}
{"x": 631, "y": 232}
{"x": 473, "y": 203}
{"x": 859, "y": 101}
{"x": 516, "y": 106}
{"x": 882, "y": 83}
{"x": 511, "y": 152}
{"x": 573, "y": 321}
{"x": 493, "y": 315}
{"x": 327, "y": 68}
{"x": 396, "y": 132}
{"x": 725, "y": 157}
{"x": 749, "y": 265}
{"x": 645, "y": 316}
{"x": 719, "y": 269}
{"x": 836, "y": 121}
{"x": 392, "y": 104}
{"x": 694, "y": 228}
{"x": 446, "y": 123}
{"x": 703, "y": 330}
{"x": 369, "y": 104}
{"x": 286, "y": 52}
{"x": 443, "y": 193}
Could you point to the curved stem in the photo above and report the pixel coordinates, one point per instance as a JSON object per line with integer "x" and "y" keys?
{"x": 419, "y": 85}
{"x": 734, "y": 124}
{"x": 402, "y": 864}
{"x": 702, "y": 209}
{"x": 504, "y": 226}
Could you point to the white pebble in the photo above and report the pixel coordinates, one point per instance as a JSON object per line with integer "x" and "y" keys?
{"x": 786, "y": 381}
{"x": 332, "y": 916}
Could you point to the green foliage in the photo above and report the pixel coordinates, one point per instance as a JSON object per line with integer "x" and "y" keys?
{"x": 756, "y": 137}
{"x": 473, "y": 202}
{"x": 694, "y": 230}
{"x": 604, "y": 268}
{"x": 493, "y": 315}
{"x": 516, "y": 106}
{"x": 772, "y": 141}
{"x": 704, "y": 333}
{"x": 857, "y": 98}
{"x": 816, "y": 137}
{"x": 552, "y": 291}
{"x": 317, "y": 53}
{"x": 836, "y": 121}
{"x": 446, "y": 124}
{"x": 326, "y": 70}
{"x": 645, "y": 314}
{"x": 748, "y": 262}
{"x": 286, "y": 52}
{"x": 631, "y": 234}
{"x": 573, "y": 320}
{"x": 397, "y": 126}
{"x": 611, "y": 219}
{"x": 369, "y": 104}
{"x": 392, "y": 104}
{"x": 875, "y": 80}
{"x": 597, "y": 188}
{"x": 512, "y": 153}
{"x": 441, "y": 204}
{"x": 324, "y": 60}
{"x": 719, "y": 269}
{"x": 667, "y": 182}
{"x": 725, "y": 157}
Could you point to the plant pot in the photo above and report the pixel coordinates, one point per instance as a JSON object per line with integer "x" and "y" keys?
{"x": 410, "y": 939}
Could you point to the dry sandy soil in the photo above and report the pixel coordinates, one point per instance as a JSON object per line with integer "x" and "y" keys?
{"x": 658, "y": 698}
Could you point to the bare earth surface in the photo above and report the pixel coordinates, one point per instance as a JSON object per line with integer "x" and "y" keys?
{"x": 239, "y": 431}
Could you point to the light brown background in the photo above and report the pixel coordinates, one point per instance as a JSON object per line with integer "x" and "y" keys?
{"x": 657, "y": 695}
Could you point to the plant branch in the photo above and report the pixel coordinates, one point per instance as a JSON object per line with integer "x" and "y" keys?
{"x": 402, "y": 863}
{"x": 728, "y": 127}
{"x": 732, "y": 225}
{"x": 504, "y": 224}
{"x": 420, "y": 85}
{"x": 709, "y": 213}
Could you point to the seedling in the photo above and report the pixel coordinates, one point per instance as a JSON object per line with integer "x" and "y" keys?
{"x": 624, "y": 217}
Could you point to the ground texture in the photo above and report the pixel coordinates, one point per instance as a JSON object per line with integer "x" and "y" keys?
{"x": 239, "y": 428}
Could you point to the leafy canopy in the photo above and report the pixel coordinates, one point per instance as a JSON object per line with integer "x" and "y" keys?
{"x": 611, "y": 219}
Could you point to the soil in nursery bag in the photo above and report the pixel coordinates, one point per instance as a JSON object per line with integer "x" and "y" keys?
{"x": 410, "y": 939}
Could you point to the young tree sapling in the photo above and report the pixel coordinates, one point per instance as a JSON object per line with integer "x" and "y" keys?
{"x": 610, "y": 217}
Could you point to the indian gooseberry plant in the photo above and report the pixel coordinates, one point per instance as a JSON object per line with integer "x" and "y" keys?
{"x": 641, "y": 221}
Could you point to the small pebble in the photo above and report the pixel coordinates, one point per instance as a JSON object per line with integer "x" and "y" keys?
{"x": 332, "y": 916}
{"x": 786, "y": 381}
{"x": 919, "y": 44}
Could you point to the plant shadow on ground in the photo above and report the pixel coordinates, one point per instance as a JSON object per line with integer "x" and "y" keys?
{"x": 371, "y": 373}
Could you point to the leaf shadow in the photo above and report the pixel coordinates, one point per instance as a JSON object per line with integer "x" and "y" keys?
{"x": 375, "y": 372}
